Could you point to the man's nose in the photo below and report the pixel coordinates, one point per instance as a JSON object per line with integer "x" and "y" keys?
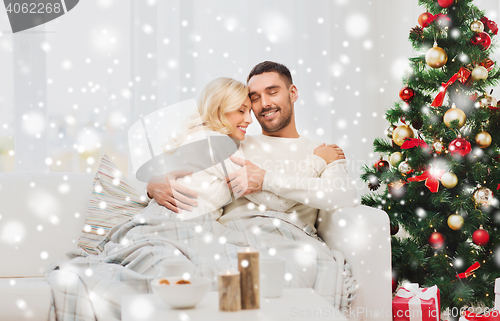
{"x": 264, "y": 101}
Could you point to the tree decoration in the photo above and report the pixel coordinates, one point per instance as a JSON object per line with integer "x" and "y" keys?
{"x": 381, "y": 166}
{"x": 406, "y": 94}
{"x": 483, "y": 196}
{"x": 446, "y": 3}
{"x": 396, "y": 158}
{"x": 481, "y": 237}
{"x": 477, "y": 26}
{"x": 462, "y": 76}
{"x": 459, "y": 147}
{"x": 416, "y": 142}
{"x": 401, "y": 133}
{"x": 452, "y": 114}
{"x": 489, "y": 25}
{"x": 404, "y": 168}
{"x": 397, "y": 189}
{"x": 374, "y": 184}
{"x": 418, "y": 31}
{"x": 479, "y": 73}
{"x": 431, "y": 178}
{"x": 436, "y": 57}
{"x": 482, "y": 39}
{"x": 394, "y": 229}
{"x": 417, "y": 123}
{"x": 449, "y": 180}
{"x": 422, "y": 19}
{"x": 455, "y": 222}
{"x": 436, "y": 240}
{"x": 389, "y": 130}
{"x": 438, "y": 147}
{"x": 487, "y": 101}
{"x": 483, "y": 139}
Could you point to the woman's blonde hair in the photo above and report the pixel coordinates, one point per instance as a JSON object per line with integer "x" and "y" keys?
{"x": 219, "y": 97}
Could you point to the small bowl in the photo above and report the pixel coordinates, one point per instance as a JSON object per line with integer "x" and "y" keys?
{"x": 181, "y": 296}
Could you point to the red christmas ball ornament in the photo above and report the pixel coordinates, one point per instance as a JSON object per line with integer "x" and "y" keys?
{"x": 481, "y": 237}
{"x": 459, "y": 146}
{"x": 436, "y": 240}
{"x": 394, "y": 282}
{"x": 406, "y": 94}
{"x": 481, "y": 39}
{"x": 423, "y": 18}
{"x": 489, "y": 25}
{"x": 381, "y": 166}
{"x": 446, "y": 3}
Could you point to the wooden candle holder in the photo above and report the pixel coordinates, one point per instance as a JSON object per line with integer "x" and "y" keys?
{"x": 248, "y": 265}
{"x": 229, "y": 291}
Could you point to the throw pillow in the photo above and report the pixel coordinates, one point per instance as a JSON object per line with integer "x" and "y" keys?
{"x": 113, "y": 201}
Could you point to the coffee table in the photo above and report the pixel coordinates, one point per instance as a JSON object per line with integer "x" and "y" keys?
{"x": 294, "y": 304}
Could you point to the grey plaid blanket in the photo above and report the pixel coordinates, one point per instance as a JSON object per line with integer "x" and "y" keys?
{"x": 89, "y": 287}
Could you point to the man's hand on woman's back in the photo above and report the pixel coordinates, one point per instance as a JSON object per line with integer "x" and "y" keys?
{"x": 329, "y": 153}
{"x": 171, "y": 194}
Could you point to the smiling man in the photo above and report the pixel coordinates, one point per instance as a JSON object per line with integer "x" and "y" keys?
{"x": 273, "y": 159}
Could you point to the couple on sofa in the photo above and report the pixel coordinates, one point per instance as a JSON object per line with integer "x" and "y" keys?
{"x": 277, "y": 171}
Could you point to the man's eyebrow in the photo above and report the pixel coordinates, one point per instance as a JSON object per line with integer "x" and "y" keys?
{"x": 267, "y": 88}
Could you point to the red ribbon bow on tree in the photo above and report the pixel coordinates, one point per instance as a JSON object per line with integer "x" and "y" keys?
{"x": 431, "y": 179}
{"x": 462, "y": 75}
{"x": 434, "y": 18}
{"x": 469, "y": 271}
{"x": 415, "y": 142}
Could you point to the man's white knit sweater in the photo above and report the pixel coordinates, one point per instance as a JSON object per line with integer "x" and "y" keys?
{"x": 287, "y": 162}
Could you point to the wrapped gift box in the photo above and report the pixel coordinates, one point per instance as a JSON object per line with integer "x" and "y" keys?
{"x": 497, "y": 294}
{"x": 413, "y": 303}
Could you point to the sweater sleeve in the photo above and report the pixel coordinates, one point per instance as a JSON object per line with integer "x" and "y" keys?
{"x": 332, "y": 190}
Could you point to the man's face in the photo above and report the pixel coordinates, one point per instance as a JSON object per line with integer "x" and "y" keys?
{"x": 272, "y": 101}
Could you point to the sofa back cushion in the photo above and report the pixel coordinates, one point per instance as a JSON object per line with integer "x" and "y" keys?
{"x": 41, "y": 217}
{"x": 113, "y": 201}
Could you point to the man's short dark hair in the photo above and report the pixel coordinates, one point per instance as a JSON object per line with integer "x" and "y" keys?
{"x": 270, "y": 66}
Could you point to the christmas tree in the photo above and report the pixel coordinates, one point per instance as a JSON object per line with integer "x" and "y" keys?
{"x": 444, "y": 153}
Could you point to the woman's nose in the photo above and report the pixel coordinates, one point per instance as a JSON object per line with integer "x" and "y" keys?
{"x": 248, "y": 118}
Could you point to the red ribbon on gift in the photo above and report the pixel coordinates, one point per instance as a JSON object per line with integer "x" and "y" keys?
{"x": 434, "y": 18}
{"x": 431, "y": 179}
{"x": 462, "y": 75}
{"x": 469, "y": 271}
{"x": 415, "y": 142}
{"x": 490, "y": 316}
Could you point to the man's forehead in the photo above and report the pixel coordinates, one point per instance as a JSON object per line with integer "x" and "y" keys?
{"x": 265, "y": 80}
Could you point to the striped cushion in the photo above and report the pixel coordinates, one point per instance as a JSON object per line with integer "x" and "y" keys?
{"x": 113, "y": 201}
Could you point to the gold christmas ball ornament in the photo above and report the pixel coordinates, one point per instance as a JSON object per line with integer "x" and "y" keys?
{"x": 477, "y": 26}
{"x": 479, "y": 73}
{"x": 400, "y": 133}
{"x": 404, "y": 168}
{"x": 486, "y": 101}
{"x": 483, "y": 139}
{"x": 449, "y": 180}
{"x": 396, "y": 158}
{"x": 455, "y": 222}
{"x": 483, "y": 196}
{"x": 454, "y": 114}
{"x": 436, "y": 57}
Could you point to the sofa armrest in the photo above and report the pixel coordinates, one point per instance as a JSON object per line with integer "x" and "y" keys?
{"x": 362, "y": 234}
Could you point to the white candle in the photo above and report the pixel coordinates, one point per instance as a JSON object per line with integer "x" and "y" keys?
{"x": 229, "y": 291}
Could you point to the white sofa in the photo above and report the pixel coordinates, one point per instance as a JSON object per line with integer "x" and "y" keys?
{"x": 42, "y": 214}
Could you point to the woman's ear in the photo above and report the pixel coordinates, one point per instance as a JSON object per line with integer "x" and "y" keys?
{"x": 294, "y": 93}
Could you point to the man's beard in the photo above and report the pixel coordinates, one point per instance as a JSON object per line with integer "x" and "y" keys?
{"x": 284, "y": 120}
